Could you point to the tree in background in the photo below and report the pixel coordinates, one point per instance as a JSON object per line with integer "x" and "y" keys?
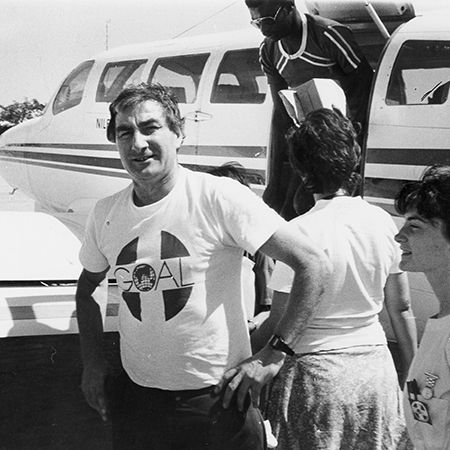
{"x": 17, "y": 112}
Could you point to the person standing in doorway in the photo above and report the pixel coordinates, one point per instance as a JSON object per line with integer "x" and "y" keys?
{"x": 298, "y": 47}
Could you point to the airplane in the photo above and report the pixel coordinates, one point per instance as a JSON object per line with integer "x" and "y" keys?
{"x": 64, "y": 161}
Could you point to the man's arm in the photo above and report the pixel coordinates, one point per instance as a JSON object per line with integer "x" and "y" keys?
{"x": 91, "y": 332}
{"x": 342, "y": 48}
{"x": 398, "y": 306}
{"x": 266, "y": 325}
{"x": 311, "y": 269}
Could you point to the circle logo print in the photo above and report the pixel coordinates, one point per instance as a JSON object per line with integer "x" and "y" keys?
{"x": 144, "y": 277}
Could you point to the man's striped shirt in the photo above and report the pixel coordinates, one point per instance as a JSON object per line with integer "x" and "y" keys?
{"x": 327, "y": 50}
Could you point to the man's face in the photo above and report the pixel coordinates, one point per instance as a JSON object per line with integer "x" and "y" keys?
{"x": 147, "y": 147}
{"x": 273, "y": 20}
{"x": 423, "y": 243}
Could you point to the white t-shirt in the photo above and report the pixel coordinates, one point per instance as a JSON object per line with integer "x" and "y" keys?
{"x": 359, "y": 240}
{"x": 433, "y": 358}
{"x": 178, "y": 264}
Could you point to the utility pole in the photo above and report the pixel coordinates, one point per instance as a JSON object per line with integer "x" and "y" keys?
{"x": 107, "y": 34}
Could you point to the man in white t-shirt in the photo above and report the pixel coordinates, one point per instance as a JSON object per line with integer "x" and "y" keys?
{"x": 173, "y": 239}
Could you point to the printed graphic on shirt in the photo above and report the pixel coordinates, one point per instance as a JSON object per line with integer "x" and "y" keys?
{"x": 134, "y": 279}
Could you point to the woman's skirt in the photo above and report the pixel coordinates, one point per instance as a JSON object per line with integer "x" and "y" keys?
{"x": 340, "y": 399}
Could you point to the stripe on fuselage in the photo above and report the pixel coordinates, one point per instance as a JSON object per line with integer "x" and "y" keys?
{"x": 408, "y": 156}
{"x": 89, "y": 158}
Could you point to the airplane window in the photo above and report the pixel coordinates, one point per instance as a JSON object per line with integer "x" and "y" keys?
{"x": 70, "y": 93}
{"x": 240, "y": 78}
{"x": 181, "y": 74}
{"x": 421, "y": 74}
{"x": 116, "y": 76}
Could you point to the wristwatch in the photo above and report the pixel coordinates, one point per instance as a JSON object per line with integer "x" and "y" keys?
{"x": 277, "y": 343}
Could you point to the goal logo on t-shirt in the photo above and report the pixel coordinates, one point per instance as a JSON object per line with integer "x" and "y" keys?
{"x": 144, "y": 277}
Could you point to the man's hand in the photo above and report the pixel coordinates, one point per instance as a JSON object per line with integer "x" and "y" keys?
{"x": 93, "y": 387}
{"x": 250, "y": 376}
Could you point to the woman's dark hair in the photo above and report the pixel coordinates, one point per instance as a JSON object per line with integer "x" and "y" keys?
{"x": 134, "y": 95}
{"x": 325, "y": 152}
{"x": 233, "y": 170}
{"x": 430, "y": 196}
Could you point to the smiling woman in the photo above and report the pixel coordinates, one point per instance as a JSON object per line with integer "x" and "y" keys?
{"x": 425, "y": 236}
{"x": 425, "y": 242}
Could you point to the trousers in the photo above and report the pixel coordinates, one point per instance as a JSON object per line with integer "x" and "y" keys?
{"x": 149, "y": 418}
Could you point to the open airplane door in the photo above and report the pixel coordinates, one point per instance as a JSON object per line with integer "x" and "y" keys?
{"x": 409, "y": 128}
{"x": 408, "y": 117}
{"x": 355, "y": 15}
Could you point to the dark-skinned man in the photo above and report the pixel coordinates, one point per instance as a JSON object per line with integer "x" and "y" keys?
{"x": 298, "y": 47}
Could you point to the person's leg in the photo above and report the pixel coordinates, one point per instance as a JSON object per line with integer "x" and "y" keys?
{"x": 241, "y": 430}
{"x": 202, "y": 423}
{"x": 140, "y": 416}
{"x": 146, "y": 418}
{"x": 191, "y": 422}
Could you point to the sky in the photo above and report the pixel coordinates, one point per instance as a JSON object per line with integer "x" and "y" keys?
{"x": 41, "y": 41}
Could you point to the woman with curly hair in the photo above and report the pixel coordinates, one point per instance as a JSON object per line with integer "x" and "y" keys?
{"x": 339, "y": 388}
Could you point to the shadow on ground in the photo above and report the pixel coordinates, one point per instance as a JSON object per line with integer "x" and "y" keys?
{"x": 42, "y": 406}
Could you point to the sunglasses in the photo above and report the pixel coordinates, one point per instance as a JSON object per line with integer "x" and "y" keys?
{"x": 268, "y": 20}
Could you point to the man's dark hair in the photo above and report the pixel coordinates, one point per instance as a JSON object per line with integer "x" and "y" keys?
{"x": 325, "y": 152}
{"x": 232, "y": 170}
{"x": 134, "y": 95}
{"x": 430, "y": 196}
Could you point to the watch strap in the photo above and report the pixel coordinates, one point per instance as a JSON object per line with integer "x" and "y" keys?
{"x": 277, "y": 343}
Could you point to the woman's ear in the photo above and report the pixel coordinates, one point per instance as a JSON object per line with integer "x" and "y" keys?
{"x": 358, "y": 127}
{"x": 439, "y": 224}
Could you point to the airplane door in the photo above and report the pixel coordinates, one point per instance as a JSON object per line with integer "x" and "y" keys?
{"x": 183, "y": 74}
{"x": 408, "y": 122}
{"x": 234, "y": 114}
{"x": 409, "y": 127}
